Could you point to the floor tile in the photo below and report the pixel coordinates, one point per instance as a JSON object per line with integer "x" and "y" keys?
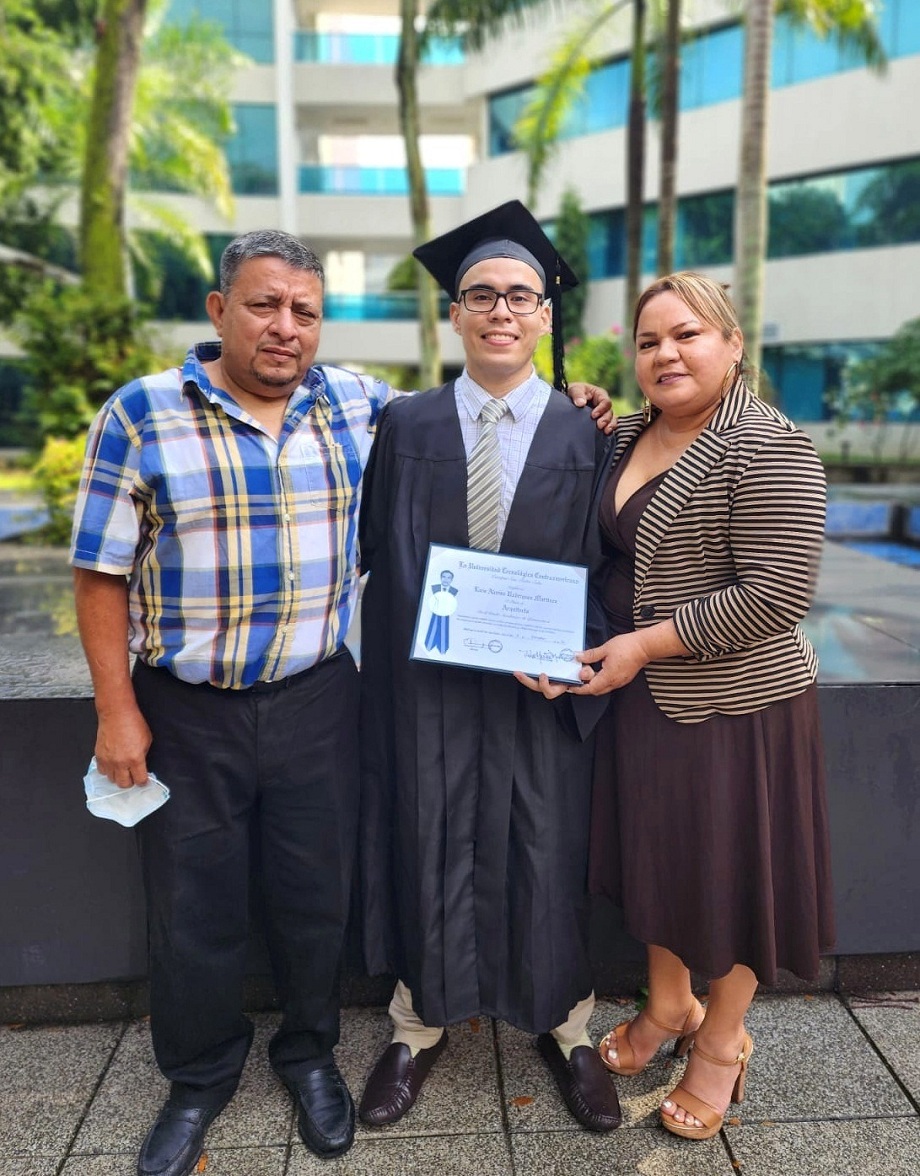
{"x": 460, "y": 1094}
{"x": 861, "y": 1147}
{"x": 429, "y": 1155}
{"x": 48, "y": 1077}
{"x": 811, "y": 1062}
{"x": 134, "y": 1090}
{"x": 651, "y": 1153}
{"x": 256, "y": 1161}
{"x": 892, "y": 1020}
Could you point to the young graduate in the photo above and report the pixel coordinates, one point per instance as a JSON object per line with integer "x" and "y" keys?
{"x": 475, "y": 791}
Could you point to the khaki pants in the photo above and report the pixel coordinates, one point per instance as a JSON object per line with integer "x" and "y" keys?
{"x": 408, "y": 1029}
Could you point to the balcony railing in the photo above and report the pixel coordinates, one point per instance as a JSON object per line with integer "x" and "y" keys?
{"x": 378, "y": 181}
{"x": 368, "y": 49}
{"x": 401, "y": 306}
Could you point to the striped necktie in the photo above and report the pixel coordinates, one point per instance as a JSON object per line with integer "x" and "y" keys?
{"x": 484, "y": 479}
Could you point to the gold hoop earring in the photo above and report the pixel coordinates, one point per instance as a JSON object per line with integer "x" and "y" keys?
{"x": 729, "y": 379}
{"x": 646, "y": 411}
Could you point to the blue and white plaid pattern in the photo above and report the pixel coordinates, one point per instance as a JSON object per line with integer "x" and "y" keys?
{"x": 241, "y": 550}
{"x": 515, "y": 430}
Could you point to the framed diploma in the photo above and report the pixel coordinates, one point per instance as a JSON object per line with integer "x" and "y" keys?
{"x": 490, "y": 611}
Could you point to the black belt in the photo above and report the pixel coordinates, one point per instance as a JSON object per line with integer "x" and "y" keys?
{"x": 256, "y": 687}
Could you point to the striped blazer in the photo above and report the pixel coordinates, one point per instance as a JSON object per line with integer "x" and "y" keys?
{"x": 729, "y": 548}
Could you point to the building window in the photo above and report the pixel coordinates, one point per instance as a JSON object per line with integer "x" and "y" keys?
{"x": 858, "y": 209}
{"x": 711, "y": 71}
{"x": 804, "y": 373}
{"x": 252, "y": 153}
{"x": 711, "y": 66}
{"x": 246, "y": 25}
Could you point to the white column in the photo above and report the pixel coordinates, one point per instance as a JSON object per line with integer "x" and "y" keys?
{"x": 283, "y": 11}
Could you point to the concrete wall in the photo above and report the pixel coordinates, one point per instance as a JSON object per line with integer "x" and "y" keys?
{"x": 72, "y": 909}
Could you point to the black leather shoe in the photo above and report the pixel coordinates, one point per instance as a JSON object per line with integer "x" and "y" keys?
{"x": 174, "y": 1143}
{"x": 325, "y": 1112}
{"x": 584, "y": 1084}
{"x": 395, "y": 1081}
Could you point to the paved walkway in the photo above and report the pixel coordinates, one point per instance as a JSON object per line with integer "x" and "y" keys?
{"x": 833, "y": 1090}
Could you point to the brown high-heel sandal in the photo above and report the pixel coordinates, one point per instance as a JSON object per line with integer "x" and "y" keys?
{"x": 708, "y": 1115}
{"x": 618, "y": 1038}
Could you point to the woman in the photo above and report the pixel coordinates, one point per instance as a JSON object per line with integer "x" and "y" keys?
{"x": 709, "y": 822}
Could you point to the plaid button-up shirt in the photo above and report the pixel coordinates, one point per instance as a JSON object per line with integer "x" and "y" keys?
{"x": 241, "y": 551}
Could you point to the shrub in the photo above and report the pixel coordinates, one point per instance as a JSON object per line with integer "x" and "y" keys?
{"x": 57, "y": 476}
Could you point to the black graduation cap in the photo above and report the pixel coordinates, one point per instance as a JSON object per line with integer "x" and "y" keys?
{"x": 507, "y": 231}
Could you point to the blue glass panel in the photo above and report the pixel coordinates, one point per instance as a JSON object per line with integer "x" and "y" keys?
{"x": 711, "y": 68}
{"x": 907, "y": 27}
{"x": 606, "y": 244}
{"x": 253, "y": 152}
{"x": 246, "y": 25}
{"x": 504, "y": 112}
{"x": 377, "y": 181}
{"x": 704, "y": 230}
{"x": 399, "y": 306}
{"x": 369, "y": 49}
{"x": 604, "y": 103}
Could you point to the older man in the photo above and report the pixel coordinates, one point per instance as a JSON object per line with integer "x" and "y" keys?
{"x": 215, "y": 538}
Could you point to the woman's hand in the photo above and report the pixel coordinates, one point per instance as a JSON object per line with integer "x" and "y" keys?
{"x": 621, "y": 659}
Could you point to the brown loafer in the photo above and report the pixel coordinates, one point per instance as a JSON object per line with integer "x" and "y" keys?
{"x": 584, "y": 1084}
{"x": 395, "y": 1081}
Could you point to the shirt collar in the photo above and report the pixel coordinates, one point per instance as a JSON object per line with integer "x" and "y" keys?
{"x": 519, "y": 399}
{"x": 313, "y": 388}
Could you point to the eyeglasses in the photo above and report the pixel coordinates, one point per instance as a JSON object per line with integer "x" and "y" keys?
{"x": 480, "y": 300}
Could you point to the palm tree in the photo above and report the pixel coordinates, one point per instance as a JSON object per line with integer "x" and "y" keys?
{"x": 430, "y": 374}
{"x": 670, "y": 86}
{"x": 120, "y": 32}
{"x": 852, "y": 23}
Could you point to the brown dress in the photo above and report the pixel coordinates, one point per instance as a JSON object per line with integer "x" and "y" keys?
{"x": 711, "y": 836}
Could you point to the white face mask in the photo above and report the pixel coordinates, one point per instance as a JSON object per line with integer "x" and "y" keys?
{"x": 127, "y": 806}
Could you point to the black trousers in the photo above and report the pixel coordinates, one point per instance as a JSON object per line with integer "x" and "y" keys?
{"x": 269, "y": 774}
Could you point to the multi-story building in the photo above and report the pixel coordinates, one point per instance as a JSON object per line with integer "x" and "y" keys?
{"x": 317, "y": 152}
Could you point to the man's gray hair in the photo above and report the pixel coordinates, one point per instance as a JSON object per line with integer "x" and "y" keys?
{"x": 266, "y": 243}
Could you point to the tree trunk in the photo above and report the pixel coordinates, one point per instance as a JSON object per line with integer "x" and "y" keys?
{"x": 751, "y": 209}
{"x": 635, "y": 172}
{"x": 670, "y": 82}
{"x": 120, "y": 32}
{"x": 430, "y": 375}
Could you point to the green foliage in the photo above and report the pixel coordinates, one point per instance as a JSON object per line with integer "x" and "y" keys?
{"x": 35, "y": 85}
{"x": 883, "y": 387}
{"x": 404, "y": 275}
{"x": 79, "y": 347}
{"x": 30, "y": 227}
{"x": 474, "y": 21}
{"x": 595, "y": 359}
{"x": 850, "y": 24}
{"x": 56, "y": 474}
{"x": 571, "y": 239}
{"x": 888, "y": 381}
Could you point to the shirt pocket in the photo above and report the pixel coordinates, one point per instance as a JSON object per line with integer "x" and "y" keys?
{"x": 329, "y": 469}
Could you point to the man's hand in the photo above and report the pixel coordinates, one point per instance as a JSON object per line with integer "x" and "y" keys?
{"x": 602, "y": 412}
{"x": 541, "y": 685}
{"x": 122, "y": 742}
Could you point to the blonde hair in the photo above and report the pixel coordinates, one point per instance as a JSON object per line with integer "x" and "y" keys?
{"x": 707, "y": 299}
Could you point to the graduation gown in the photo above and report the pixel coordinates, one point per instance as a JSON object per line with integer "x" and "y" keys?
{"x": 475, "y": 790}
